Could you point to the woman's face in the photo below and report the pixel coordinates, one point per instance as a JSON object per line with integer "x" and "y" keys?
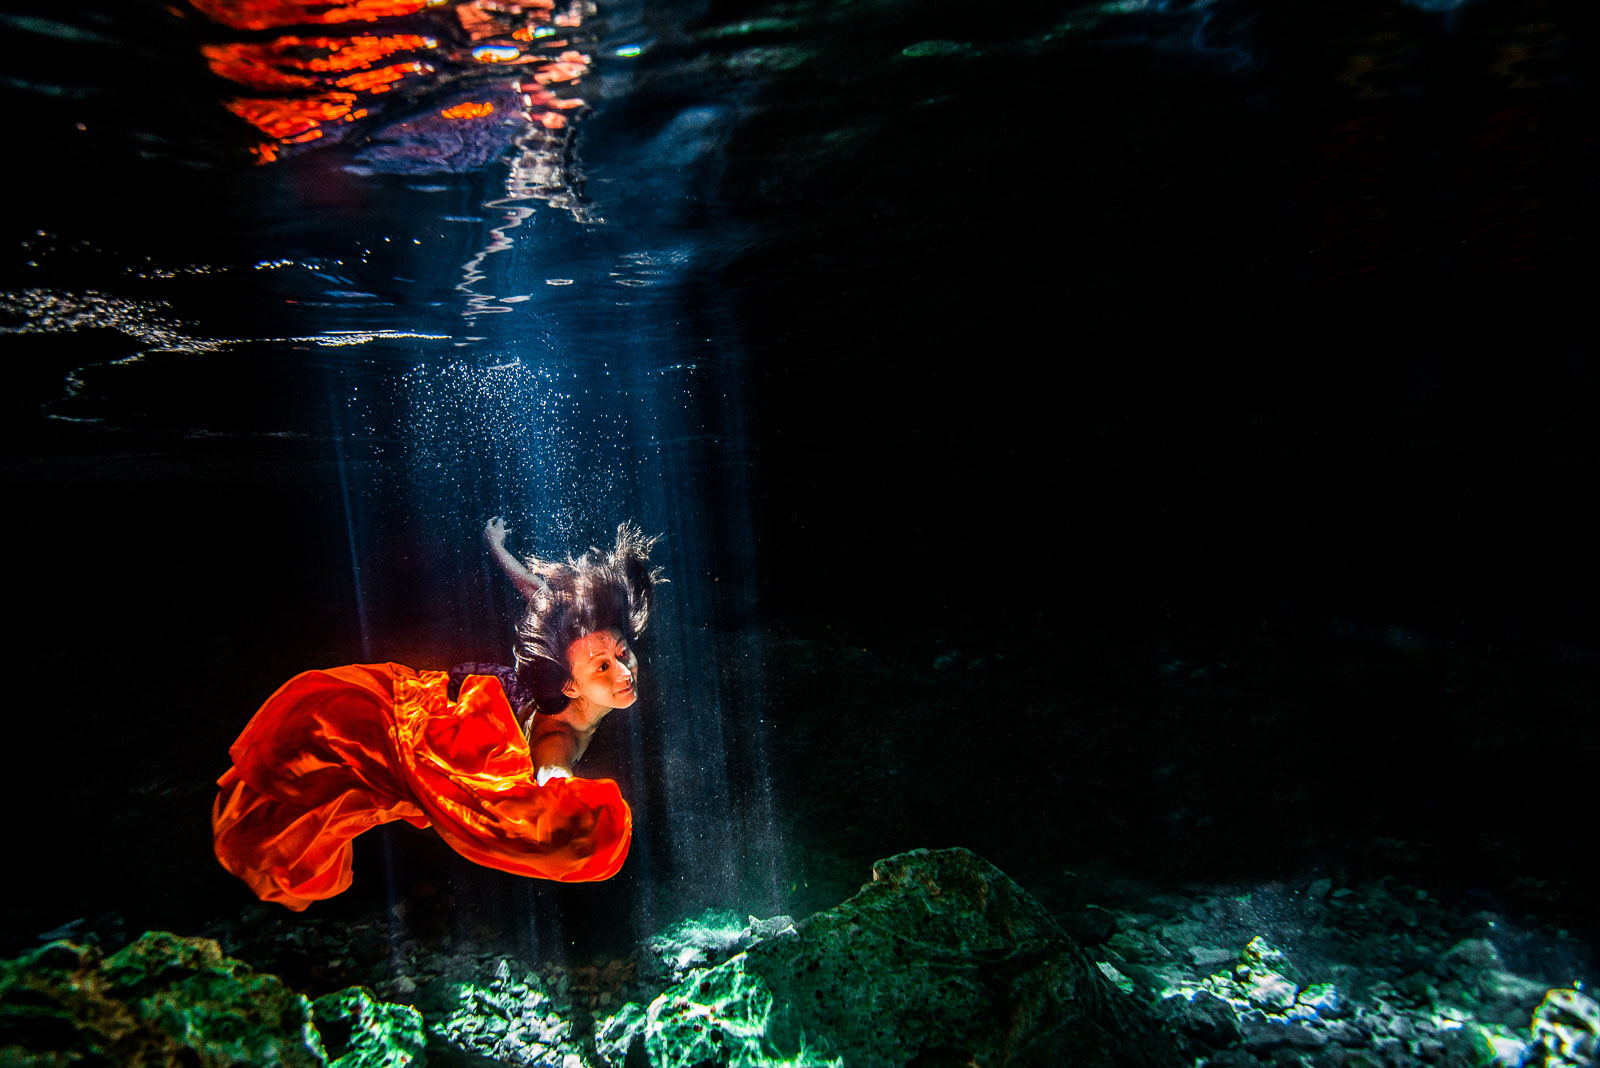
{"x": 603, "y": 670}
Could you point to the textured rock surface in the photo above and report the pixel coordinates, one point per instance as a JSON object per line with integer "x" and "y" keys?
{"x": 707, "y": 939}
{"x": 1330, "y": 973}
{"x": 160, "y": 1000}
{"x": 1378, "y": 973}
{"x": 510, "y": 1016}
{"x": 359, "y": 1031}
{"x": 940, "y": 959}
{"x": 166, "y": 999}
{"x": 1566, "y": 1026}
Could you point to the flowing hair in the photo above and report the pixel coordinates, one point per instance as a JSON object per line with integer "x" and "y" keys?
{"x": 599, "y": 590}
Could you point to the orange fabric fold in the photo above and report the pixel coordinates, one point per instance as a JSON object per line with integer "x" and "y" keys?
{"x": 335, "y": 753}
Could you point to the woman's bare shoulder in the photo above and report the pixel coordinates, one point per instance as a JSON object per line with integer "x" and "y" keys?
{"x": 543, "y": 724}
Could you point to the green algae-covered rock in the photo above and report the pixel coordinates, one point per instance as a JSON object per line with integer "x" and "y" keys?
{"x": 941, "y": 958}
{"x": 163, "y": 999}
{"x": 508, "y": 1017}
{"x": 359, "y": 1031}
{"x": 704, "y": 940}
{"x": 724, "y": 1016}
{"x": 166, "y": 999}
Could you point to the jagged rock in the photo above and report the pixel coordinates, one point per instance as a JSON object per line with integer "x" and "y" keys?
{"x": 1090, "y": 926}
{"x": 1416, "y": 989}
{"x": 1135, "y": 945}
{"x": 495, "y": 1011}
{"x": 702, "y": 941}
{"x": 510, "y": 1019}
{"x": 1273, "y": 1034}
{"x": 168, "y": 999}
{"x": 1489, "y": 1044}
{"x": 1322, "y": 999}
{"x": 1255, "y": 979}
{"x": 1468, "y": 956}
{"x": 1207, "y": 958}
{"x": 1345, "y": 1034}
{"x": 1204, "y": 1017}
{"x": 941, "y": 957}
{"x": 1508, "y": 998}
{"x": 1125, "y": 983}
{"x": 359, "y": 1031}
{"x": 621, "y": 1032}
{"x": 1566, "y": 1025}
{"x": 1270, "y": 992}
{"x": 1262, "y": 957}
{"x": 162, "y": 999}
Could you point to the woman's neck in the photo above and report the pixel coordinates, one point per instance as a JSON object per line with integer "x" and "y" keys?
{"x": 582, "y": 715}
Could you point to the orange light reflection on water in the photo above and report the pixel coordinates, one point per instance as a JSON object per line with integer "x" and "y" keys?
{"x": 303, "y": 84}
{"x": 288, "y": 62}
{"x": 468, "y": 111}
{"x": 274, "y": 14}
{"x": 297, "y": 120}
{"x": 568, "y": 67}
{"x": 380, "y": 80}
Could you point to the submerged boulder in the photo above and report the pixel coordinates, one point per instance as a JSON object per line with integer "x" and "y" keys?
{"x": 168, "y": 999}
{"x": 360, "y": 1031}
{"x": 1566, "y": 1026}
{"x": 704, "y": 940}
{"x": 941, "y": 959}
{"x": 162, "y": 999}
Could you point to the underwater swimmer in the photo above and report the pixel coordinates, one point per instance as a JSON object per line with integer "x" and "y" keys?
{"x": 334, "y": 753}
{"x": 574, "y": 646}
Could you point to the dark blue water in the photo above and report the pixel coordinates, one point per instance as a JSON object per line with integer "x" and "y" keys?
{"x": 297, "y": 388}
{"x": 1049, "y": 412}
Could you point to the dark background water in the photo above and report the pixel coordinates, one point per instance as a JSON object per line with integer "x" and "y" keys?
{"x": 1156, "y": 436}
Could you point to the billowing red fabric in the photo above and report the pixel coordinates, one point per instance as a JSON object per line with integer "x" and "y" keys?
{"x": 334, "y": 753}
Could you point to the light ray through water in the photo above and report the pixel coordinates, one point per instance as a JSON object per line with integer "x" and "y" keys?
{"x": 566, "y": 447}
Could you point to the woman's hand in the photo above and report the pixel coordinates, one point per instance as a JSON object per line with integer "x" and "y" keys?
{"x": 526, "y": 582}
{"x": 551, "y": 771}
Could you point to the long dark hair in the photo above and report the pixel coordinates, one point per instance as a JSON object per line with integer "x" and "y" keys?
{"x": 599, "y": 590}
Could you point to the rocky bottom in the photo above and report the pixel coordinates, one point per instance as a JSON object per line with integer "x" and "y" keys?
{"x": 940, "y": 960}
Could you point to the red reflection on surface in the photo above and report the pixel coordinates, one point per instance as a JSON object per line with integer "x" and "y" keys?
{"x": 298, "y": 119}
{"x": 481, "y": 21}
{"x": 252, "y": 65}
{"x": 535, "y": 98}
{"x": 279, "y": 63}
{"x": 301, "y": 84}
{"x": 290, "y": 63}
{"x": 379, "y": 81}
{"x": 468, "y": 111}
{"x": 273, "y": 14}
{"x": 567, "y": 67}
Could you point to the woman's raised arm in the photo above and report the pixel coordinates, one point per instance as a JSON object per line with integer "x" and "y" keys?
{"x": 494, "y": 534}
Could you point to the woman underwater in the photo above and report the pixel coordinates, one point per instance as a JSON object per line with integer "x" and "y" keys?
{"x": 334, "y": 753}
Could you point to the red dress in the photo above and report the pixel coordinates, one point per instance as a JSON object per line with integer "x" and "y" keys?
{"x": 334, "y": 753}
